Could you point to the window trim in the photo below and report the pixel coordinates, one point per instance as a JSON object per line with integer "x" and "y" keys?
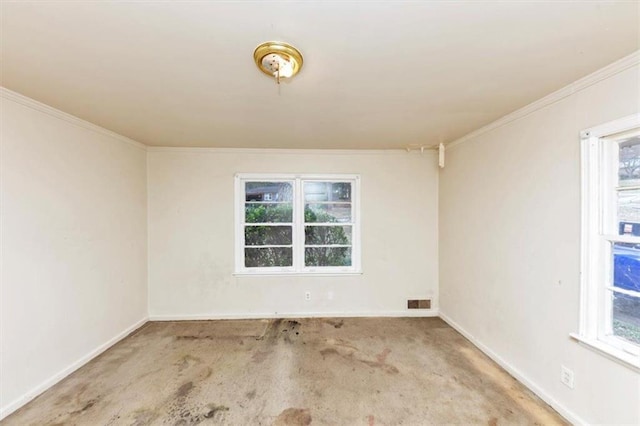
{"x": 596, "y": 244}
{"x": 298, "y": 268}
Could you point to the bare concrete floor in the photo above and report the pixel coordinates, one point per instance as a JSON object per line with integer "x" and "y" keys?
{"x": 377, "y": 371}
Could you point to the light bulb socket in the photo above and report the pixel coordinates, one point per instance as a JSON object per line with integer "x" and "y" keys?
{"x": 282, "y": 51}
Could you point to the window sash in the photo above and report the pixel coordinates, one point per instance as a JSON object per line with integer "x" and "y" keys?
{"x": 627, "y": 188}
{"x": 246, "y": 224}
{"x": 609, "y": 222}
{"x": 327, "y": 245}
{"x": 622, "y": 291}
{"x": 606, "y": 333}
{"x": 600, "y": 229}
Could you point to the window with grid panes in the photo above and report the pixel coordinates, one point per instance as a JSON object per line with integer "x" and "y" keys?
{"x": 297, "y": 224}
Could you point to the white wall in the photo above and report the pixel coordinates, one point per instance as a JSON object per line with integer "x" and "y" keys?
{"x": 510, "y": 249}
{"x": 191, "y": 235}
{"x": 73, "y": 222}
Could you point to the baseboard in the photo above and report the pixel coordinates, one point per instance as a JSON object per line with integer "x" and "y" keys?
{"x": 267, "y": 315}
{"x": 541, "y": 393}
{"x": 33, "y": 393}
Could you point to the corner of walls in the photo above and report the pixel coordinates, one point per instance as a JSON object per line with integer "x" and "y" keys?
{"x": 148, "y": 277}
{"x": 610, "y": 70}
{"x": 51, "y": 381}
{"x": 33, "y": 142}
{"x": 518, "y": 215}
{"x": 517, "y": 374}
{"x": 61, "y": 115}
{"x": 439, "y": 170}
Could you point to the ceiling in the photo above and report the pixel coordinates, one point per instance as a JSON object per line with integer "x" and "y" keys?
{"x": 376, "y": 74}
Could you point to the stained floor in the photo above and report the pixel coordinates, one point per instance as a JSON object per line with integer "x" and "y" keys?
{"x": 355, "y": 371}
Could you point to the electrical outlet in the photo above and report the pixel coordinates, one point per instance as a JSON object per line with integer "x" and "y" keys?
{"x": 307, "y": 295}
{"x": 330, "y": 295}
{"x": 566, "y": 377}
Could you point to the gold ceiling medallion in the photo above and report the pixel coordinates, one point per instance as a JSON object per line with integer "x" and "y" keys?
{"x": 278, "y": 59}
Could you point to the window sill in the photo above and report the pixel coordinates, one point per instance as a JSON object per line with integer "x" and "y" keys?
{"x": 295, "y": 274}
{"x": 621, "y": 357}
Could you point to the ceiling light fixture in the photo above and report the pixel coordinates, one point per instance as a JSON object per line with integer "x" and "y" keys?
{"x": 278, "y": 59}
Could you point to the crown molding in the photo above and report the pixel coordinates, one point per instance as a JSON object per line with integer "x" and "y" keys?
{"x": 280, "y": 151}
{"x": 578, "y": 85}
{"x": 53, "y": 112}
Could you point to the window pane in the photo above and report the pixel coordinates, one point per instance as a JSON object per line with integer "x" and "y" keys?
{"x": 265, "y": 213}
{"x": 626, "y": 266}
{"x": 626, "y": 317}
{"x": 327, "y": 191}
{"x": 267, "y": 235}
{"x": 327, "y": 213}
{"x": 629, "y": 212}
{"x": 267, "y": 257}
{"x": 629, "y": 161}
{"x": 327, "y": 256}
{"x": 326, "y": 235}
{"x": 268, "y": 191}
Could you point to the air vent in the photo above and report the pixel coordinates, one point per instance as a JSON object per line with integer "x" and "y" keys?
{"x": 419, "y": 304}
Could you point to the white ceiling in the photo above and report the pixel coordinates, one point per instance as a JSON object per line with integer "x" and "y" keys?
{"x": 376, "y": 74}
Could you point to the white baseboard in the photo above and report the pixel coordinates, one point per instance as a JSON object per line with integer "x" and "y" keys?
{"x": 34, "y": 392}
{"x": 265, "y": 315}
{"x": 564, "y": 411}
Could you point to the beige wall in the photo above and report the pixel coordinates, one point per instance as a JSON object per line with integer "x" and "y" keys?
{"x": 73, "y": 243}
{"x": 510, "y": 249}
{"x": 191, "y": 235}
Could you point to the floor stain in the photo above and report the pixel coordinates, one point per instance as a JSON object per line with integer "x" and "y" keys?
{"x": 207, "y": 373}
{"x": 379, "y": 363}
{"x": 74, "y": 394}
{"x": 184, "y": 390}
{"x": 294, "y": 417}
{"x": 329, "y": 351}
{"x": 271, "y": 331}
{"x": 194, "y": 416}
{"x": 382, "y": 356}
{"x": 187, "y": 361}
{"x": 335, "y": 323}
{"x": 192, "y": 337}
{"x": 342, "y": 343}
{"x": 259, "y": 356}
{"x": 288, "y": 330}
{"x": 143, "y": 417}
{"x": 292, "y": 330}
{"x": 214, "y": 409}
{"x": 86, "y": 406}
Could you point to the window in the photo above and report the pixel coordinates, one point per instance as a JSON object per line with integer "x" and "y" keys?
{"x": 610, "y": 308}
{"x": 297, "y": 224}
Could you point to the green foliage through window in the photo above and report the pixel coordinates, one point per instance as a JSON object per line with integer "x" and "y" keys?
{"x": 268, "y": 256}
{"x": 268, "y": 213}
{"x": 264, "y": 235}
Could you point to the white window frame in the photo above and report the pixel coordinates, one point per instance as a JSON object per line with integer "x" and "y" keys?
{"x": 599, "y": 232}
{"x": 298, "y": 267}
